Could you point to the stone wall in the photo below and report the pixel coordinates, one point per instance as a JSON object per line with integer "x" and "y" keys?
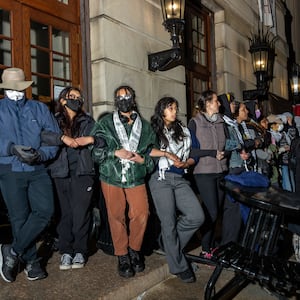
{"x": 124, "y": 32}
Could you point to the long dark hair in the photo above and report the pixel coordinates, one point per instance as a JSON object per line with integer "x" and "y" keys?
{"x": 67, "y": 125}
{"x": 205, "y": 97}
{"x": 158, "y": 124}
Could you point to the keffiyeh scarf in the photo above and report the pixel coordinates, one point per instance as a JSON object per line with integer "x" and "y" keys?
{"x": 129, "y": 144}
{"x": 181, "y": 149}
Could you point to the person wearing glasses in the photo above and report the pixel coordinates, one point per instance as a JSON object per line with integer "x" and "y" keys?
{"x": 123, "y": 165}
{"x": 73, "y": 173}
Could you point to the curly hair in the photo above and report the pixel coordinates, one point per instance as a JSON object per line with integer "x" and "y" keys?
{"x": 69, "y": 126}
{"x": 158, "y": 125}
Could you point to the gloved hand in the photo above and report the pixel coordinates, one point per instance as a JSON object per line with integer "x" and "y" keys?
{"x": 26, "y": 154}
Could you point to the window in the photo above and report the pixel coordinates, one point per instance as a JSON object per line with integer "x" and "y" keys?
{"x": 50, "y": 59}
{"x": 198, "y": 53}
{"x": 5, "y": 37}
{"x": 46, "y": 47}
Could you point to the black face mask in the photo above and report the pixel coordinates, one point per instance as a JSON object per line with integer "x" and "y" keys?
{"x": 74, "y": 105}
{"x": 125, "y": 105}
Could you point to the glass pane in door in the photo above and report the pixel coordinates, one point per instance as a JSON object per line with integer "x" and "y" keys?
{"x": 41, "y": 88}
{"x": 5, "y": 52}
{"x": 39, "y": 35}
{"x": 5, "y": 39}
{"x": 60, "y": 41}
{"x": 40, "y": 61}
{"x": 5, "y": 22}
{"x": 61, "y": 66}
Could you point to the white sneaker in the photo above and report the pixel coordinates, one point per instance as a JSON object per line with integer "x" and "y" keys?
{"x": 65, "y": 262}
{"x": 78, "y": 261}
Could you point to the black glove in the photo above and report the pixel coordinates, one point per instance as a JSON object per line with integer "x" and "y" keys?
{"x": 26, "y": 154}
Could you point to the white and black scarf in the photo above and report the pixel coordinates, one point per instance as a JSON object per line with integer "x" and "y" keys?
{"x": 181, "y": 149}
{"x": 129, "y": 144}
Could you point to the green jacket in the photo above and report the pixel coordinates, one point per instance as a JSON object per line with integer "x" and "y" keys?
{"x": 110, "y": 167}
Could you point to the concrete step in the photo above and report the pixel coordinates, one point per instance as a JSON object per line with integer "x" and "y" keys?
{"x": 99, "y": 279}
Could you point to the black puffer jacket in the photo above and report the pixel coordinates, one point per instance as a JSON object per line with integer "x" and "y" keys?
{"x": 59, "y": 168}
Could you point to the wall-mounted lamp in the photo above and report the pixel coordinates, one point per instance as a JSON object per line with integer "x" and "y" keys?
{"x": 173, "y": 15}
{"x": 262, "y": 49}
{"x": 295, "y": 83}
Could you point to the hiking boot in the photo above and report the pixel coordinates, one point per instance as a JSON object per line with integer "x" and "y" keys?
{"x": 8, "y": 264}
{"x": 187, "y": 276}
{"x": 78, "y": 261}
{"x": 66, "y": 262}
{"x": 124, "y": 266}
{"x": 34, "y": 271}
{"x": 137, "y": 262}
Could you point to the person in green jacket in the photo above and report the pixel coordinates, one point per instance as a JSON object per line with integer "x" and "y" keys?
{"x": 123, "y": 165}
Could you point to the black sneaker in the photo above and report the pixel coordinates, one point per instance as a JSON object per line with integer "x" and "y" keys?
{"x": 34, "y": 271}
{"x": 137, "y": 262}
{"x": 8, "y": 264}
{"x": 124, "y": 267}
{"x": 187, "y": 276}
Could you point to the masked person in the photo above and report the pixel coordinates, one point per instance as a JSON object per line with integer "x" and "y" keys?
{"x": 123, "y": 164}
{"x": 73, "y": 172}
{"x": 24, "y": 182}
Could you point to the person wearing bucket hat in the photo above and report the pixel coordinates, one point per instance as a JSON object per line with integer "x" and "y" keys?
{"x": 13, "y": 79}
{"x": 24, "y": 182}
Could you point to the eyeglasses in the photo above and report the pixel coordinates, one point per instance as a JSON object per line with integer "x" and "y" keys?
{"x": 81, "y": 99}
{"x": 124, "y": 97}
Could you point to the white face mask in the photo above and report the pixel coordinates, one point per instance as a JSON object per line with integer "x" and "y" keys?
{"x": 280, "y": 127}
{"x": 14, "y": 95}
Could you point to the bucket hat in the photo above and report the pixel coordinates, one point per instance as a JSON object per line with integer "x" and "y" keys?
{"x": 14, "y": 79}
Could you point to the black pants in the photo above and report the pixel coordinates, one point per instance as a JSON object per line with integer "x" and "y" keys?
{"x": 232, "y": 221}
{"x": 29, "y": 200}
{"x": 212, "y": 196}
{"x": 75, "y": 196}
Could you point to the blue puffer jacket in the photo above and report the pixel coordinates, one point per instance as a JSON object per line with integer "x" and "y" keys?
{"x": 21, "y": 123}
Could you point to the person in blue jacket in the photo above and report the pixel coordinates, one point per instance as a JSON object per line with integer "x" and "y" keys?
{"x": 24, "y": 182}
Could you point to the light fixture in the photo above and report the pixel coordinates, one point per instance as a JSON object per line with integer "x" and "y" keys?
{"x": 262, "y": 49}
{"x": 295, "y": 79}
{"x": 295, "y": 83}
{"x": 173, "y": 15}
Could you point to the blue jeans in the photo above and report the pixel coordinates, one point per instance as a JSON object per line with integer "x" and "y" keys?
{"x": 30, "y": 204}
{"x": 288, "y": 182}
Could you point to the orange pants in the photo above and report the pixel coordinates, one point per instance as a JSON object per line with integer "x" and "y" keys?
{"x": 138, "y": 212}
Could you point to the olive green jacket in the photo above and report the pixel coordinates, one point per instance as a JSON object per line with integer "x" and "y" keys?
{"x": 110, "y": 167}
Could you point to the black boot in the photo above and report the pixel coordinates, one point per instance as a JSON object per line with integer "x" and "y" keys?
{"x": 124, "y": 267}
{"x": 136, "y": 261}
